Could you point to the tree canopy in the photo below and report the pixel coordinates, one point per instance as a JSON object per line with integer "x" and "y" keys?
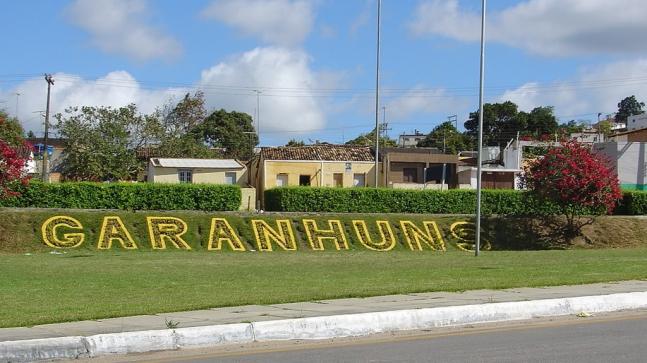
{"x": 445, "y": 136}
{"x": 502, "y": 121}
{"x": 232, "y": 132}
{"x": 99, "y": 142}
{"x": 369, "y": 140}
{"x": 629, "y": 106}
{"x": 295, "y": 142}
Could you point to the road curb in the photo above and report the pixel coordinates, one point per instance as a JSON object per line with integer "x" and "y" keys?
{"x": 323, "y": 327}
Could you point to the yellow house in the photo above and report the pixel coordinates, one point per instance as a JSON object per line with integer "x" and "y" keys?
{"x": 313, "y": 165}
{"x": 211, "y": 171}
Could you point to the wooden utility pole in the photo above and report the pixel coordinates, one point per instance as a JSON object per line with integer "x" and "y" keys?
{"x": 45, "y": 173}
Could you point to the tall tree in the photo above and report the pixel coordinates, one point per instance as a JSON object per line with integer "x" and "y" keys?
{"x": 445, "y": 136}
{"x": 232, "y": 132}
{"x": 177, "y": 129}
{"x": 501, "y": 121}
{"x": 10, "y": 130}
{"x": 369, "y": 140}
{"x": 182, "y": 117}
{"x": 540, "y": 121}
{"x": 629, "y": 106}
{"x": 99, "y": 143}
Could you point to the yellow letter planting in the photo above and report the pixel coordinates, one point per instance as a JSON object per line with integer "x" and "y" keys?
{"x": 265, "y": 235}
{"x": 414, "y": 236}
{"x": 114, "y": 229}
{"x": 221, "y": 232}
{"x": 162, "y": 229}
{"x": 69, "y": 240}
{"x": 388, "y": 238}
{"x": 464, "y": 231}
{"x": 316, "y": 236}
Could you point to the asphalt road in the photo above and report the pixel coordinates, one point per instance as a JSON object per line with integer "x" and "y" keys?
{"x": 610, "y": 339}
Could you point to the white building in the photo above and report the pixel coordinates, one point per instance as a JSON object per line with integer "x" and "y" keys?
{"x": 637, "y": 122}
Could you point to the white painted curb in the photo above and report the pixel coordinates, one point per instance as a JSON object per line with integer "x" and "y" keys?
{"x": 214, "y": 335}
{"x": 42, "y": 349}
{"x": 130, "y": 342}
{"x": 322, "y": 327}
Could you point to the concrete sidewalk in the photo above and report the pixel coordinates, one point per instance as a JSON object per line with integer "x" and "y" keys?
{"x": 258, "y": 313}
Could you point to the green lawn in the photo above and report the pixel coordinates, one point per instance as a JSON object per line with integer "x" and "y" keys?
{"x": 45, "y": 288}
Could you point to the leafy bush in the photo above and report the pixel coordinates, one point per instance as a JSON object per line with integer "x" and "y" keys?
{"x": 633, "y": 203}
{"x": 128, "y": 196}
{"x": 574, "y": 179}
{"x": 369, "y": 200}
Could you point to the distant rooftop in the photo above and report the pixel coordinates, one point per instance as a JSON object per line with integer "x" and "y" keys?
{"x": 319, "y": 153}
{"x": 197, "y": 163}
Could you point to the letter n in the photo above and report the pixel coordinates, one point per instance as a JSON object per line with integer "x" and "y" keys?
{"x": 167, "y": 229}
{"x": 415, "y": 236}
{"x": 317, "y": 236}
{"x": 113, "y": 228}
{"x": 266, "y": 235}
{"x": 221, "y": 231}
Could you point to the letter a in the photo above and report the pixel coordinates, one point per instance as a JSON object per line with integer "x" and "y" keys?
{"x": 221, "y": 232}
{"x": 114, "y": 229}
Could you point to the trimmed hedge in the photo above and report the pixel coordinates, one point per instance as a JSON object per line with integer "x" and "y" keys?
{"x": 128, "y": 196}
{"x": 633, "y": 203}
{"x": 370, "y": 200}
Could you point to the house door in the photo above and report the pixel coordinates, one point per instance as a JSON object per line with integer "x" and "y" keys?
{"x": 338, "y": 179}
{"x": 410, "y": 175}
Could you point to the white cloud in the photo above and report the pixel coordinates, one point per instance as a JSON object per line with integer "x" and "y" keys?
{"x": 289, "y": 100}
{"x": 423, "y": 100}
{"x": 120, "y": 27}
{"x": 545, "y": 27}
{"x": 286, "y": 81}
{"x": 592, "y": 90}
{"x": 115, "y": 89}
{"x": 277, "y": 22}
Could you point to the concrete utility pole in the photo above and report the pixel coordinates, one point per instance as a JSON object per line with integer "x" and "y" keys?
{"x": 479, "y": 166}
{"x": 17, "y": 103}
{"x": 50, "y": 83}
{"x": 258, "y": 114}
{"x": 377, "y": 96}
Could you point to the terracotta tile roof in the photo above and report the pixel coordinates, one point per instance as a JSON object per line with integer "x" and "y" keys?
{"x": 318, "y": 152}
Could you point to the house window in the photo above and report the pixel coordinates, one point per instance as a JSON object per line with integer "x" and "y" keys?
{"x": 230, "y": 177}
{"x": 185, "y": 176}
{"x": 281, "y": 180}
{"x": 338, "y": 179}
{"x": 410, "y": 175}
{"x": 304, "y": 180}
{"x": 359, "y": 180}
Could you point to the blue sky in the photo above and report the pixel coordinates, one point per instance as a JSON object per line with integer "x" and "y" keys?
{"x": 314, "y": 60}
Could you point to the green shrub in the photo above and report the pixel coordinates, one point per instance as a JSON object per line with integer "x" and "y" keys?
{"x": 128, "y": 196}
{"x": 370, "y": 200}
{"x": 633, "y": 203}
